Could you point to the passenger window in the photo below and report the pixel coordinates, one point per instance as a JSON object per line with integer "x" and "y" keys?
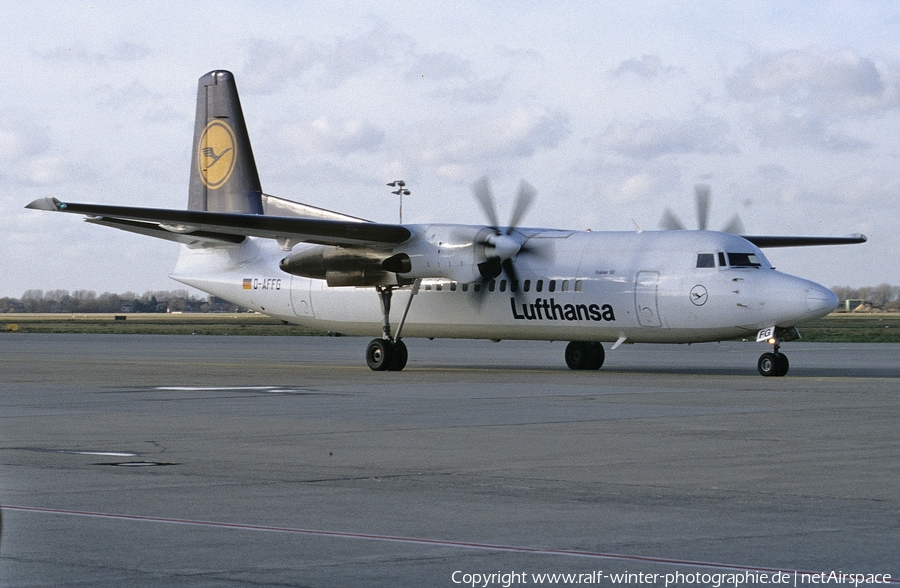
{"x": 578, "y": 284}
{"x": 438, "y": 287}
{"x": 503, "y": 285}
{"x": 476, "y": 287}
{"x": 565, "y": 286}
{"x": 552, "y": 286}
{"x": 491, "y": 285}
{"x": 527, "y": 285}
{"x": 465, "y": 287}
{"x": 706, "y": 260}
{"x": 453, "y": 286}
{"x": 540, "y": 286}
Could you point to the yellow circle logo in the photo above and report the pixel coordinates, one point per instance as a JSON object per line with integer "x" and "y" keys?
{"x": 216, "y": 154}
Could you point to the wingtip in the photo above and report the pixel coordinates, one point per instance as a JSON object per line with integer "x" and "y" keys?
{"x": 46, "y": 203}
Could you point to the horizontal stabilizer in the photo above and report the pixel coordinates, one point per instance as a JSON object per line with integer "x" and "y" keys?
{"x": 776, "y": 241}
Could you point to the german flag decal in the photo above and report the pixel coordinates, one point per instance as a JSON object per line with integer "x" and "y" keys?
{"x": 248, "y": 284}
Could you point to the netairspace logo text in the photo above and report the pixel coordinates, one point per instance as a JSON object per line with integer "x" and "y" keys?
{"x": 715, "y": 580}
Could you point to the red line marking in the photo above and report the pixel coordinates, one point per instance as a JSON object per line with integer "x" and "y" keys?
{"x": 412, "y": 540}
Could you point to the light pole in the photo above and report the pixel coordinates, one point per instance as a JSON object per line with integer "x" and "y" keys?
{"x": 400, "y": 191}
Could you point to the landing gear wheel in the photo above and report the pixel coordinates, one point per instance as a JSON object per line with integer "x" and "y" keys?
{"x": 576, "y": 358}
{"x": 596, "y": 355}
{"x": 773, "y": 364}
{"x": 379, "y": 354}
{"x": 383, "y": 355}
{"x": 783, "y": 364}
{"x": 584, "y": 355}
{"x": 399, "y": 355}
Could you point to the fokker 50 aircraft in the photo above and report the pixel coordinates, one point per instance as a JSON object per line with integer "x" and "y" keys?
{"x": 339, "y": 273}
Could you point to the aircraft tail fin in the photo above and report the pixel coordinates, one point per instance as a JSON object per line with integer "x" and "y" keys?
{"x": 223, "y": 171}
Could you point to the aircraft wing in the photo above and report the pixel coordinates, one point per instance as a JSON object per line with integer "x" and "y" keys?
{"x": 775, "y": 241}
{"x": 191, "y": 226}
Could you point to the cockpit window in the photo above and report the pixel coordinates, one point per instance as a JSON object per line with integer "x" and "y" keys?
{"x": 706, "y": 260}
{"x": 743, "y": 260}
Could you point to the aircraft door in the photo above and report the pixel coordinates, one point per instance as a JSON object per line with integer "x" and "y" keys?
{"x": 300, "y": 298}
{"x": 646, "y": 285}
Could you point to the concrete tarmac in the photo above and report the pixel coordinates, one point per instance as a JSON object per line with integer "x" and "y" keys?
{"x": 278, "y": 461}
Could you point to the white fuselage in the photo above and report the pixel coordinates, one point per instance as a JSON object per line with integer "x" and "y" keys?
{"x": 575, "y": 286}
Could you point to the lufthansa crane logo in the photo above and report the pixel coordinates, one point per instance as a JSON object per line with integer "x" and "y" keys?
{"x": 216, "y": 154}
{"x": 699, "y": 295}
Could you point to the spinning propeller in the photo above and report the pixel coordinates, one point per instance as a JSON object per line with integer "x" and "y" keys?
{"x": 500, "y": 245}
{"x": 670, "y": 222}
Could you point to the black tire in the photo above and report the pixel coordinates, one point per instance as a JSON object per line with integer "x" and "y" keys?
{"x": 768, "y": 364}
{"x": 379, "y": 354}
{"x": 399, "y": 355}
{"x": 576, "y": 355}
{"x": 782, "y": 364}
{"x": 595, "y": 355}
{"x": 584, "y": 355}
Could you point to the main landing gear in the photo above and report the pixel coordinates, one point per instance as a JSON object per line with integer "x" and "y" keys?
{"x": 386, "y": 355}
{"x": 389, "y": 352}
{"x": 584, "y": 355}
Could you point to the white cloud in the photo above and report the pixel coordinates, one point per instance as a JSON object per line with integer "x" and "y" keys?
{"x": 815, "y": 98}
{"x": 657, "y": 137}
{"x": 516, "y": 134}
{"x": 839, "y": 82}
{"x": 82, "y": 53}
{"x": 271, "y": 64}
{"x": 648, "y": 66}
{"x": 20, "y": 137}
{"x": 28, "y": 156}
{"x": 329, "y": 135}
{"x": 439, "y": 66}
{"x": 453, "y": 79}
{"x": 776, "y": 127}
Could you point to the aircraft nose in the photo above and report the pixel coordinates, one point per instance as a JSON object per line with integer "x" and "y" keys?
{"x": 799, "y": 300}
{"x": 819, "y": 298}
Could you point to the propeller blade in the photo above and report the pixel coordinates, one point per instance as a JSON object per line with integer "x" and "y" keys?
{"x": 670, "y": 222}
{"x": 482, "y": 190}
{"x": 735, "y": 226}
{"x": 501, "y": 247}
{"x": 524, "y": 201}
{"x": 515, "y": 284}
{"x": 702, "y": 192}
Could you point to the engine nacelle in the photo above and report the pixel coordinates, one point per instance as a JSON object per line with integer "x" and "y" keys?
{"x": 452, "y": 252}
{"x": 340, "y": 266}
{"x": 460, "y": 253}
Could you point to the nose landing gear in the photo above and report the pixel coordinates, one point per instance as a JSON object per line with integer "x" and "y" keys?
{"x": 775, "y": 363}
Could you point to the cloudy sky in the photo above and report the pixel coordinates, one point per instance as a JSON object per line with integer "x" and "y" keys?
{"x": 614, "y": 111}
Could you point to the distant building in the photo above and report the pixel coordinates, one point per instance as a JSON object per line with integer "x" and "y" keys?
{"x": 856, "y": 304}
